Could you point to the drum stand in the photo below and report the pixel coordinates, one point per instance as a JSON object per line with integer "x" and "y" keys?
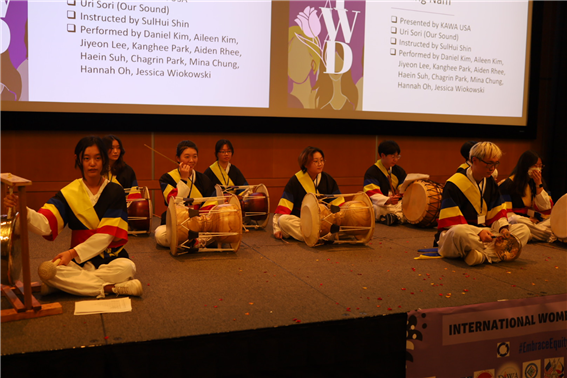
{"x": 31, "y": 308}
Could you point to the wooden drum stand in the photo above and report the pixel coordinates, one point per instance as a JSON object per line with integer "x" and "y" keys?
{"x": 31, "y": 308}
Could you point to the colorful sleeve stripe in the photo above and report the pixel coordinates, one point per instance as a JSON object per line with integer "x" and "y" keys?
{"x": 284, "y": 206}
{"x": 372, "y": 189}
{"x": 117, "y": 223}
{"x": 54, "y": 218}
{"x": 339, "y": 201}
{"x": 496, "y": 213}
{"x": 545, "y": 212}
{"x": 450, "y": 215}
{"x": 134, "y": 193}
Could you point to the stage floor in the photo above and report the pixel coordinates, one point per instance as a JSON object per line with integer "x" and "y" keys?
{"x": 269, "y": 283}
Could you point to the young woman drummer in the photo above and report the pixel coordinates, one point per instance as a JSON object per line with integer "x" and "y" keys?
{"x": 120, "y": 172}
{"x": 185, "y": 182}
{"x": 95, "y": 211}
{"x": 309, "y": 179}
{"x": 527, "y": 201}
{"x": 222, "y": 172}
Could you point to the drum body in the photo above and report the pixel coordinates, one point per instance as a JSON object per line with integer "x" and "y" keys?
{"x": 254, "y": 202}
{"x": 139, "y": 212}
{"x": 11, "y": 251}
{"x": 559, "y": 219}
{"x": 421, "y": 203}
{"x": 223, "y": 224}
{"x": 354, "y": 220}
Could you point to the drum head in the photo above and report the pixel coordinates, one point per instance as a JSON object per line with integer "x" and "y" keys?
{"x": 171, "y": 227}
{"x": 559, "y": 219}
{"x": 261, "y": 188}
{"x": 507, "y": 248}
{"x": 11, "y": 251}
{"x": 422, "y": 202}
{"x": 310, "y": 219}
{"x": 414, "y": 202}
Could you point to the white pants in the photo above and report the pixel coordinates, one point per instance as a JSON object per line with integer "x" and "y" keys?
{"x": 538, "y": 232}
{"x": 290, "y": 226}
{"x": 381, "y": 211}
{"x": 88, "y": 281}
{"x": 161, "y": 236}
{"x": 460, "y": 240}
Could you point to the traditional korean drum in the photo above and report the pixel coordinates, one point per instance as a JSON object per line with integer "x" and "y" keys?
{"x": 254, "y": 202}
{"x": 222, "y": 224}
{"x": 139, "y": 211}
{"x": 421, "y": 203}
{"x": 353, "y": 222}
{"x": 507, "y": 248}
{"x": 559, "y": 219}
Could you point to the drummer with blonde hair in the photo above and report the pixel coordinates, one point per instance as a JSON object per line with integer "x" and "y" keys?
{"x": 309, "y": 179}
{"x": 473, "y": 211}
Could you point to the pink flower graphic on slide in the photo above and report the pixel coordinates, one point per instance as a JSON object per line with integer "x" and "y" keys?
{"x": 309, "y": 22}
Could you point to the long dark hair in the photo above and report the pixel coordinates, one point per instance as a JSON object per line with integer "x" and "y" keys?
{"x": 119, "y": 164}
{"x": 520, "y": 172}
{"x": 85, "y": 143}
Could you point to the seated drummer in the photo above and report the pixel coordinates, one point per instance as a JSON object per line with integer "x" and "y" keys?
{"x": 310, "y": 179}
{"x": 473, "y": 211}
{"x": 120, "y": 172}
{"x": 465, "y": 152}
{"x": 526, "y": 198}
{"x": 222, "y": 172}
{"x": 185, "y": 182}
{"x": 95, "y": 211}
{"x": 381, "y": 183}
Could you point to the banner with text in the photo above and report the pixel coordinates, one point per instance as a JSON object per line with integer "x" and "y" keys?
{"x": 512, "y": 339}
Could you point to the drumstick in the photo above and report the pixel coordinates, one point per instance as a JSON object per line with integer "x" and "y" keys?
{"x": 48, "y": 269}
{"x": 154, "y": 150}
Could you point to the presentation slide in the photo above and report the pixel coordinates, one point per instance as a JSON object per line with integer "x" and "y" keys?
{"x": 159, "y": 52}
{"x": 447, "y": 57}
{"x": 455, "y": 61}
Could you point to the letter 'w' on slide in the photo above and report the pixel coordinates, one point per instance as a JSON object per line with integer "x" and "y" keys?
{"x": 343, "y": 22}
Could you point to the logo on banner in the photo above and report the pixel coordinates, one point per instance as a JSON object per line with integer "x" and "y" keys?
{"x": 503, "y": 349}
{"x": 509, "y": 372}
{"x": 554, "y": 368}
{"x": 484, "y": 374}
{"x": 531, "y": 369}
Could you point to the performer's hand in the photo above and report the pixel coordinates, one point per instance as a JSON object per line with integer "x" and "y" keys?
{"x": 393, "y": 200}
{"x": 485, "y": 236}
{"x": 12, "y": 200}
{"x": 278, "y": 235}
{"x": 536, "y": 175}
{"x": 65, "y": 257}
{"x": 505, "y": 232}
{"x": 184, "y": 171}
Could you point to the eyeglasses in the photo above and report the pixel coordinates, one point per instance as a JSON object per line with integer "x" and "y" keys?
{"x": 396, "y": 157}
{"x": 317, "y": 162}
{"x": 225, "y": 152}
{"x": 490, "y": 165}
